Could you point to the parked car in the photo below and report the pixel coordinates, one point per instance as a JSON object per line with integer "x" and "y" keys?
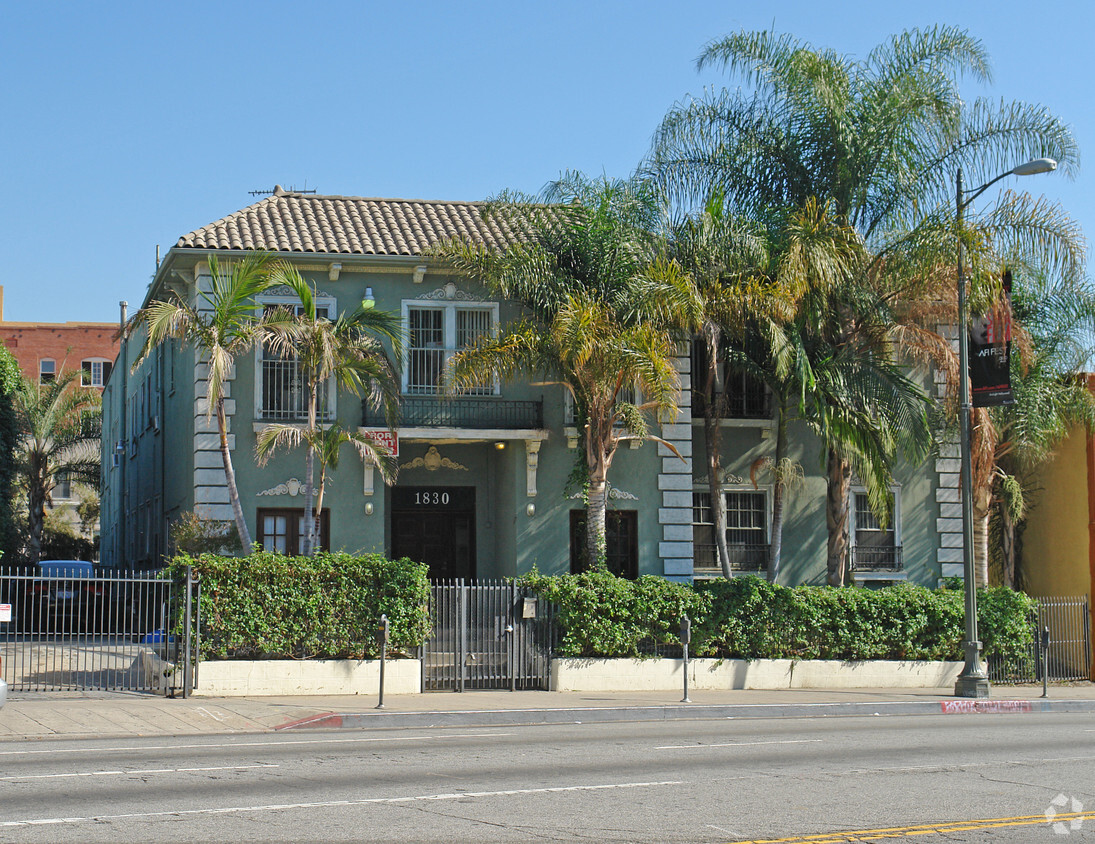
{"x": 64, "y": 595}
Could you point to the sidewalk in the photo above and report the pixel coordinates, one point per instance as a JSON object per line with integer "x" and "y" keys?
{"x": 81, "y": 715}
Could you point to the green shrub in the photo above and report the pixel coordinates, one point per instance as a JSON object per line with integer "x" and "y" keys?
{"x": 601, "y": 615}
{"x": 268, "y": 606}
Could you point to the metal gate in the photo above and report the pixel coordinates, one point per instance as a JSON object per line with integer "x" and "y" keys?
{"x": 74, "y": 628}
{"x": 487, "y": 635}
{"x": 1069, "y": 655}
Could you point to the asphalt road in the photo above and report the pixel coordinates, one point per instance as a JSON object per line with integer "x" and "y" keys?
{"x": 824, "y": 780}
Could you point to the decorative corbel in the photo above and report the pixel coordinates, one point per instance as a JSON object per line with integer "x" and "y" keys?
{"x": 532, "y": 460}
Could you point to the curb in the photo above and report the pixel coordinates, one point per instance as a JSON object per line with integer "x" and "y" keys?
{"x": 534, "y": 717}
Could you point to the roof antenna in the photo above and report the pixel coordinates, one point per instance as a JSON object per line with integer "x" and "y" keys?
{"x": 280, "y": 191}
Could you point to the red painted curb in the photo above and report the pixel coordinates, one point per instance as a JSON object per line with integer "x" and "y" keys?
{"x": 952, "y": 707}
{"x": 327, "y": 719}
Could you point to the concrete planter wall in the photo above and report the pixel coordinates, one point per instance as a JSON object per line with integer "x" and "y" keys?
{"x": 633, "y": 675}
{"x": 229, "y": 678}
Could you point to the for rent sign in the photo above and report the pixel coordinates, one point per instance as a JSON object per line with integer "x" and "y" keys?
{"x": 384, "y": 437}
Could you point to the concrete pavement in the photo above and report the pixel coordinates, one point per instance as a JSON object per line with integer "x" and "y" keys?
{"x": 55, "y": 715}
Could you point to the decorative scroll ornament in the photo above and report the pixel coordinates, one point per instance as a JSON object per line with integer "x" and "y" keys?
{"x": 433, "y": 461}
{"x": 287, "y": 291}
{"x": 291, "y": 487}
{"x": 727, "y": 478}
{"x": 612, "y": 493}
{"x": 449, "y": 291}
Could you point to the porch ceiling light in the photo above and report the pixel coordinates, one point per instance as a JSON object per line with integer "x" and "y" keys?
{"x": 500, "y": 445}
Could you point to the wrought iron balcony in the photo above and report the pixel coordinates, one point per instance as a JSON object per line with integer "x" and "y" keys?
{"x": 883, "y": 558}
{"x": 752, "y": 404}
{"x": 478, "y": 414}
{"x": 705, "y": 559}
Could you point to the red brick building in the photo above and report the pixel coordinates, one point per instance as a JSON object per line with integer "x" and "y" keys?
{"x": 43, "y": 349}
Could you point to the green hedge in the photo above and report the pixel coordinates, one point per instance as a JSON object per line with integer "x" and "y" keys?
{"x": 601, "y": 615}
{"x": 268, "y": 606}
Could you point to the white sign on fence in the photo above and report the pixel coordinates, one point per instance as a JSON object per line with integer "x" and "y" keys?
{"x": 5, "y": 612}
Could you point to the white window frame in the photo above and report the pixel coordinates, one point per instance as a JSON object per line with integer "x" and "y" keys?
{"x": 289, "y": 300}
{"x": 895, "y": 492}
{"x": 448, "y": 334}
{"x": 52, "y": 373}
{"x": 95, "y": 362}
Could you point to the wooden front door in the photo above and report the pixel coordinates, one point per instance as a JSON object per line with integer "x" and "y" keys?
{"x": 435, "y": 526}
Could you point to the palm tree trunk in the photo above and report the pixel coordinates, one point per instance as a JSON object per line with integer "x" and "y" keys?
{"x": 779, "y": 492}
{"x": 230, "y": 479}
{"x": 309, "y": 493}
{"x": 1007, "y": 547}
{"x": 836, "y": 518}
{"x": 711, "y": 407}
{"x": 596, "y": 502}
{"x": 981, "y": 510}
{"x": 36, "y": 516}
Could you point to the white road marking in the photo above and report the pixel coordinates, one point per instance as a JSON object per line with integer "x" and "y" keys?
{"x": 184, "y": 746}
{"x": 212, "y": 715}
{"x": 278, "y": 807}
{"x": 735, "y": 744}
{"x": 138, "y": 771}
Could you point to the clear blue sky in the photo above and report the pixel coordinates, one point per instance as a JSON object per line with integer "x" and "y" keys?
{"x": 126, "y": 125}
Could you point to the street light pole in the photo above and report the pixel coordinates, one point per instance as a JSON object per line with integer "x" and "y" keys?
{"x": 973, "y": 682}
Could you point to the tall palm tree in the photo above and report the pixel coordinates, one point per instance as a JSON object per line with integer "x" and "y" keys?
{"x": 221, "y": 325}
{"x": 877, "y": 139}
{"x": 603, "y": 313}
{"x": 59, "y": 435}
{"x": 346, "y": 352}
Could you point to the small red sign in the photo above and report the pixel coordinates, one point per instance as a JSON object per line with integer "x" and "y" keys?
{"x": 384, "y": 437}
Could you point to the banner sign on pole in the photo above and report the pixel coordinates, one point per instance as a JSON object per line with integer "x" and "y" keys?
{"x": 990, "y": 352}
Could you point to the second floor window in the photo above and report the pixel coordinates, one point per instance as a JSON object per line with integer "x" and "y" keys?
{"x": 435, "y": 334}
{"x": 284, "y": 390}
{"x": 95, "y": 373}
{"x": 47, "y": 370}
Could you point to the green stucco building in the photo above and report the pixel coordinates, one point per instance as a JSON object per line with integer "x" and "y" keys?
{"x": 482, "y": 485}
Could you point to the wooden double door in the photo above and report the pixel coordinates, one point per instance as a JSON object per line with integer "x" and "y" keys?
{"x": 435, "y": 526}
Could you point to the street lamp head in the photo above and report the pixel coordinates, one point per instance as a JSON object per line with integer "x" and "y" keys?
{"x": 1038, "y": 165}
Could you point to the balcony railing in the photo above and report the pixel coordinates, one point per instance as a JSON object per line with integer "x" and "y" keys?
{"x": 883, "y": 558}
{"x": 753, "y": 404}
{"x": 705, "y": 559}
{"x": 480, "y": 414}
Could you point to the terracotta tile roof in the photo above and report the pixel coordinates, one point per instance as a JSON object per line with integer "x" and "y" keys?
{"x": 351, "y": 225}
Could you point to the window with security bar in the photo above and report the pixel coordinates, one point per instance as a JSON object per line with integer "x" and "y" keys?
{"x": 283, "y": 385}
{"x": 435, "y": 334}
{"x": 875, "y": 547}
{"x": 746, "y": 531}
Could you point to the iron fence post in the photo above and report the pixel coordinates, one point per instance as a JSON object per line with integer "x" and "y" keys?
{"x": 686, "y": 638}
{"x": 186, "y": 636}
{"x": 383, "y": 655}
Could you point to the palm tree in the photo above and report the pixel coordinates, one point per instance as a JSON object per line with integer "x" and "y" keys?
{"x": 347, "y": 351}
{"x": 326, "y": 444}
{"x": 876, "y": 140}
{"x": 59, "y": 434}
{"x": 603, "y": 315}
{"x": 221, "y": 326}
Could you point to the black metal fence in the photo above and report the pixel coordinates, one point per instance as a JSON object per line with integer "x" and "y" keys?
{"x": 1069, "y": 654}
{"x": 76, "y": 628}
{"x": 487, "y": 635}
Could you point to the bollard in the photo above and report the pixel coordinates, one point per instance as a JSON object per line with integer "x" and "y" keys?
{"x": 383, "y": 632}
{"x": 1045, "y": 662}
{"x": 686, "y": 638}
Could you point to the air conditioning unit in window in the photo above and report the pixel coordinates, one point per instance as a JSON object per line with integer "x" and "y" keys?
{"x": 116, "y": 460}
{"x": 156, "y": 423}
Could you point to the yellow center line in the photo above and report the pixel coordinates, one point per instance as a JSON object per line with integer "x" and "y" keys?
{"x": 940, "y": 828}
